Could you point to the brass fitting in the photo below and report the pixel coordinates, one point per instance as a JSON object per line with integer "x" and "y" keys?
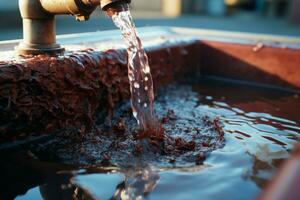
{"x": 39, "y": 35}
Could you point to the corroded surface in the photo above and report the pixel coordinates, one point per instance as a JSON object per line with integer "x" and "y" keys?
{"x": 184, "y": 136}
{"x": 42, "y": 94}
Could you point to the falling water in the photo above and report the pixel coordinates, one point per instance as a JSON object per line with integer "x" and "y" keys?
{"x": 141, "y": 85}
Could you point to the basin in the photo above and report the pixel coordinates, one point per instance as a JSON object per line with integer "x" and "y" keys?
{"x": 244, "y": 87}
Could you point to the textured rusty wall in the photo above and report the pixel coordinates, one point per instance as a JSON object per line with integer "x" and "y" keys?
{"x": 42, "y": 93}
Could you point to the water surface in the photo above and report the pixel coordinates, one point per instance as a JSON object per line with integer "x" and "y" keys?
{"x": 261, "y": 126}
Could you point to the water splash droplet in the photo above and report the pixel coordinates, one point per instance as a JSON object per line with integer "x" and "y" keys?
{"x": 131, "y": 78}
{"x": 134, "y": 114}
{"x": 146, "y": 78}
{"x": 146, "y": 88}
{"x": 139, "y": 100}
{"x": 145, "y": 105}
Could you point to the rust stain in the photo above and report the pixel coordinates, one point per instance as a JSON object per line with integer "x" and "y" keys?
{"x": 44, "y": 93}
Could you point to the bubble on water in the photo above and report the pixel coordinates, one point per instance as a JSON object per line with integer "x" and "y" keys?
{"x": 146, "y": 88}
{"x": 136, "y": 85}
{"x": 209, "y": 97}
{"x": 145, "y": 105}
{"x": 147, "y": 70}
{"x": 146, "y": 78}
{"x": 134, "y": 114}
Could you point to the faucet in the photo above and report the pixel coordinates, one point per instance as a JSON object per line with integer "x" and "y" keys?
{"x": 38, "y": 16}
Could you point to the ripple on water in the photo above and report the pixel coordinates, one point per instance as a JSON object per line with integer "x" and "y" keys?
{"x": 258, "y": 136}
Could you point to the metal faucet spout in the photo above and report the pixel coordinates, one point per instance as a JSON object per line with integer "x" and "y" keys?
{"x": 39, "y": 35}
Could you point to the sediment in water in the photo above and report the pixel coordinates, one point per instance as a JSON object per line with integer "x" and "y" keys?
{"x": 184, "y": 137}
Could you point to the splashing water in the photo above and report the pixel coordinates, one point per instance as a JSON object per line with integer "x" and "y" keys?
{"x": 140, "y": 79}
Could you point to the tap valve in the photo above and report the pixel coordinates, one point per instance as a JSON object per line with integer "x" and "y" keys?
{"x": 39, "y": 35}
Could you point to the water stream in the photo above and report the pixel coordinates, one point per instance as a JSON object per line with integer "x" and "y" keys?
{"x": 140, "y": 79}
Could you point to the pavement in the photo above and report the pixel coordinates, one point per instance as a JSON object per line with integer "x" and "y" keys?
{"x": 241, "y": 22}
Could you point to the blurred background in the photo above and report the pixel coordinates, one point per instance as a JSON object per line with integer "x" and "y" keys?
{"x": 279, "y": 17}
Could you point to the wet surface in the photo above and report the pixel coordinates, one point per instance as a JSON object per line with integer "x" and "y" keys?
{"x": 260, "y": 126}
{"x": 183, "y": 137}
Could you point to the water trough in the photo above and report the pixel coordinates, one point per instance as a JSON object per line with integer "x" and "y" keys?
{"x": 41, "y": 95}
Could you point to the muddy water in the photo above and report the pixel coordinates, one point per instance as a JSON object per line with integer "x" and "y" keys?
{"x": 260, "y": 126}
{"x": 140, "y": 79}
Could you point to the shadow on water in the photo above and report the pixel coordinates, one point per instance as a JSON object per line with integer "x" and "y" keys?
{"x": 43, "y": 180}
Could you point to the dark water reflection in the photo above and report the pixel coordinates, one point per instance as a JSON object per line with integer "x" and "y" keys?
{"x": 261, "y": 127}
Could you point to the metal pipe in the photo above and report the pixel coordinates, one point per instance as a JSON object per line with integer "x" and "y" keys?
{"x": 39, "y": 36}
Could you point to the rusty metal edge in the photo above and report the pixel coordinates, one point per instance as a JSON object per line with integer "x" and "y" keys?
{"x": 240, "y": 37}
{"x": 155, "y": 31}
